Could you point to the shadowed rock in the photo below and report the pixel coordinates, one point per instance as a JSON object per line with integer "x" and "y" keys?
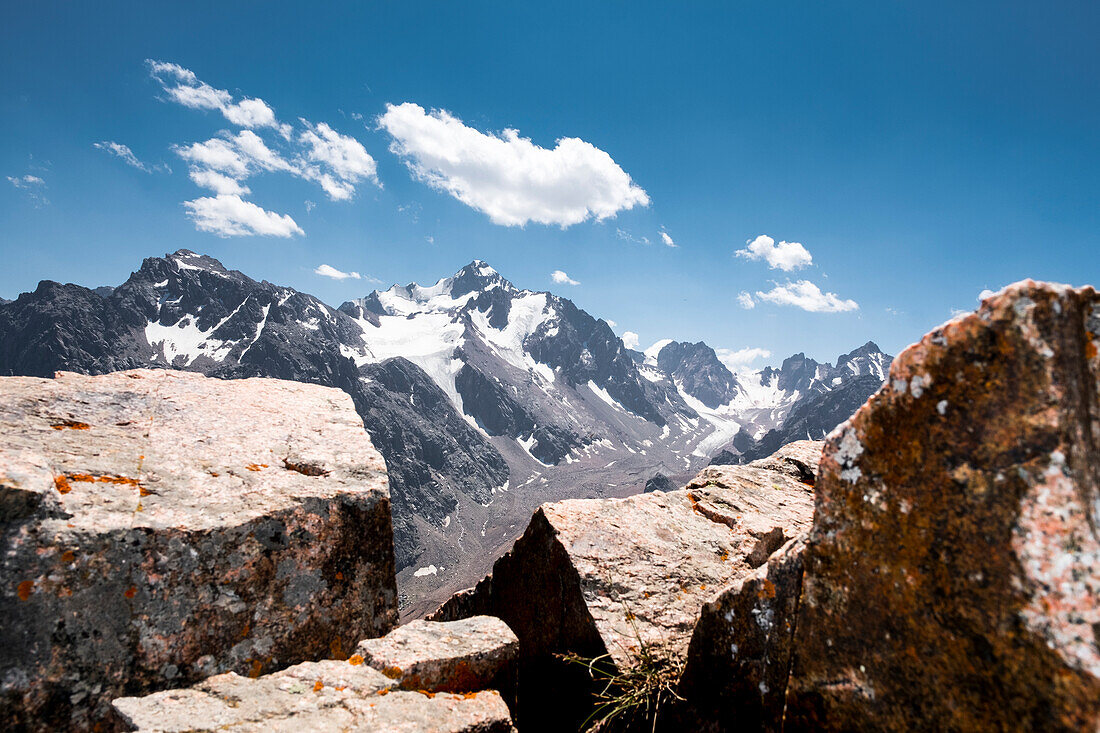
{"x": 952, "y": 576}
{"x": 159, "y": 527}
{"x": 613, "y": 575}
{"x": 735, "y": 677}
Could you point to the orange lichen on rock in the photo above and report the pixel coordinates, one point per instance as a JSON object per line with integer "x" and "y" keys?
{"x": 25, "y": 589}
{"x": 131, "y": 591}
{"x": 70, "y": 425}
{"x": 392, "y": 672}
{"x": 61, "y": 483}
{"x": 256, "y": 669}
{"x": 318, "y": 686}
{"x": 256, "y": 466}
{"x": 355, "y": 660}
{"x": 68, "y": 556}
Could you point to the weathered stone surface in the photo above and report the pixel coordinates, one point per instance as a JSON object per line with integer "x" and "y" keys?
{"x": 608, "y": 576}
{"x": 799, "y": 460}
{"x": 313, "y": 696}
{"x": 952, "y": 576}
{"x": 737, "y": 665}
{"x": 159, "y": 527}
{"x": 477, "y": 653}
{"x": 332, "y": 695}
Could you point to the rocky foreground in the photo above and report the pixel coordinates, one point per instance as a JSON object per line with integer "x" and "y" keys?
{"x": 934, "y": 564}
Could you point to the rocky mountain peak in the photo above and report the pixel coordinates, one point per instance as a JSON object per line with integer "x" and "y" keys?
{"x": 699, "y": 371}
{"x": 478, "y": 275}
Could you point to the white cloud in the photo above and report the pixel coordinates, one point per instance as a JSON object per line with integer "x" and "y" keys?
{"x": 506, "y": 176}
{"x": 27, "y": 181}
{"x": 807, "y": 296}
{"x": 346, "y": 160}
{"x": 667, "y": 239}
{"x": 124, "y": 153}
{"x": 228, "y": 215}
{"x": 745, "y": 300}
{"x": 609, "y": 322}
{"x": 329, "y": 271}
{"x": 216, "y": 154}
{"x": 217, "y": 182}
{"x": 310, "y": 206}
{"x": 630, "y": 339}
{"x": 739, "y": 358}
{"x": 318, "y": 153}
{"x": 561, "y": 278}
{"x": 784, "y": 256}
{"x": 183, "y": 87}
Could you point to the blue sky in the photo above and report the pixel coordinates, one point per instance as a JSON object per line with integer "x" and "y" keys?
{"x": 918, "y": 152}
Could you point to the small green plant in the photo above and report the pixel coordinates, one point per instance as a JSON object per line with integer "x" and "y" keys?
{"x": 629, "y": 699}
{"x": 632, "y": 698}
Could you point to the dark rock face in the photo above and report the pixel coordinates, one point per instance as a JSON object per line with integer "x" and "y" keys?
{"x": 426, "y": 444}
{"x": 585, "y": 349}
{"x": 486, "y": 400}
{"x": 159, "y": 527}
{"x": 697, "y": 368}
{"x": 952, "y": 576}
{"x": 659, "y": 482}
{"x": 735, "y": 677}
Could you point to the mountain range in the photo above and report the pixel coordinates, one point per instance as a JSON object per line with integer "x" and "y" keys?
{"x": 485, "y": 399}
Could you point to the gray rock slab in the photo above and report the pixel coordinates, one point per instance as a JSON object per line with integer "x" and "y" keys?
{"x": 471, "y": 654}
{"x": 160, "y": 527}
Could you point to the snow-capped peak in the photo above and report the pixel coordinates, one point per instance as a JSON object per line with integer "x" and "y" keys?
{"x": 652, "y": 352}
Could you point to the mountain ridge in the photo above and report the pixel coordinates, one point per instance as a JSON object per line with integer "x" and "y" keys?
{"x": 485, "y": 399}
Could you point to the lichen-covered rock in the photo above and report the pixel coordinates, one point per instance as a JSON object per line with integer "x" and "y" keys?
{"x": 334, "y": 695}
{"x": 737, "y": 665}
{"x": 952, "y": 577}
{"x": 159, "y": 527}
{"x": 477, "y": 653}
{"x": 607, "y": 576}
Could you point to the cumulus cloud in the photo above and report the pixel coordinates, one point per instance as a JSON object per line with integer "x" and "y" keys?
{"x": 124, "y": 153}
{"x": 337, "y": 162}
{"x": 329, "y": 271}
{"x": 735, "y": 359}
{"x": 745, "y": 300}
{"x": 807, "y": 296}
{"x": 784, "y": 256}
{"x": 217, "y": 182}
{"x": 317, "y": 153}
{"x": 228, "y": 215}
{"x": 561, "y": 278}
{"x": 667, "y": 239}
{"x": 630, "y": 339}
{"x": 508, "y": 177}
{"x": 183, "y": 87}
